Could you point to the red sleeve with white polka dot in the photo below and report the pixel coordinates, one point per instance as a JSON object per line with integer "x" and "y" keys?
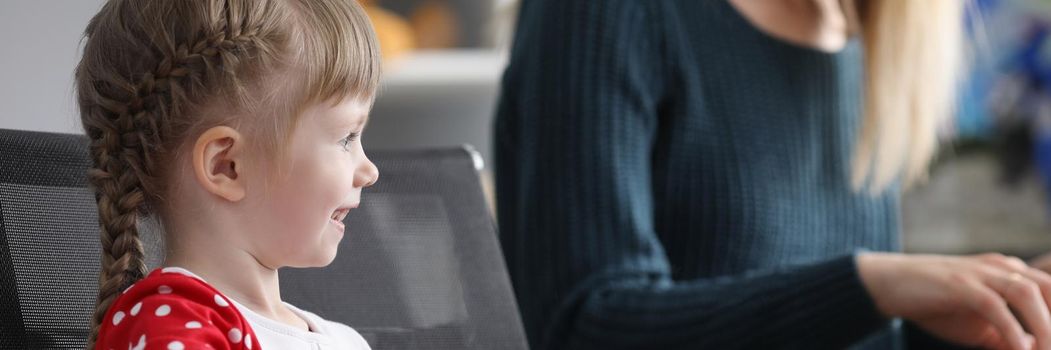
{"x": 171, "y": 309}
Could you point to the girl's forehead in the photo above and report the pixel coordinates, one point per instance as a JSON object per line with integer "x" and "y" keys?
{"x": 353, "y": 110}
{"x": 349, "y": 112}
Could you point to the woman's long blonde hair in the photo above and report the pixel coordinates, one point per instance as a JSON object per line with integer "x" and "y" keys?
{"x": 913, "y": 60}
{"x": 156, "y": 73}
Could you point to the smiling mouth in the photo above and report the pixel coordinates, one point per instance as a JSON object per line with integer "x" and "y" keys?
{"x": 339, "y": 214}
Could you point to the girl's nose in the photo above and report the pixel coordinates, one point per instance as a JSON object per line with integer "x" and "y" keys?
{"x": 367, "y": 174}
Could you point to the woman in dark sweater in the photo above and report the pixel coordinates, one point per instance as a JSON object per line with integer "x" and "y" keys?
{"x": 712, "y": 174}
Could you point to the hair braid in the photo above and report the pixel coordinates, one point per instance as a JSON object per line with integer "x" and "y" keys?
{"x": 126, "y": 133}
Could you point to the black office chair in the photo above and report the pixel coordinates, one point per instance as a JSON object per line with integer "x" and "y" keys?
{"x": 420, "y": 267}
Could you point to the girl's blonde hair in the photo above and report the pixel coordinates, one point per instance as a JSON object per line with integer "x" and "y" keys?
{"x": 913, "y": 60}
{"x": 156, "y": 73}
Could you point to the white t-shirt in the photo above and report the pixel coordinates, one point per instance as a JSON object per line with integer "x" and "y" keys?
{"x": 324, "y": 334}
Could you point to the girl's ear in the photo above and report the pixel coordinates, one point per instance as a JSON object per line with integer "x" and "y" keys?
{"x": 218, "y": 161}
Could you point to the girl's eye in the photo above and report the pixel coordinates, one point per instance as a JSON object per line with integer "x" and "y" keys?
{"x": 346, "y": 142}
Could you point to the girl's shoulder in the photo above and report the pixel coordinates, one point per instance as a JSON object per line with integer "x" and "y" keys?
{"x": 173, "y": 309}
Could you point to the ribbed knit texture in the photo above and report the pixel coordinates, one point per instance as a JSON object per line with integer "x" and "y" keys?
{"x": 668, "y": 176}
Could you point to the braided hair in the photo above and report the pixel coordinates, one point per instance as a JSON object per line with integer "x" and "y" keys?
{"x": 152, "y": 70}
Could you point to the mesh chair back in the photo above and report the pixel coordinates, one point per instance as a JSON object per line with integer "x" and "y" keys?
{"x": 420, "y": 267}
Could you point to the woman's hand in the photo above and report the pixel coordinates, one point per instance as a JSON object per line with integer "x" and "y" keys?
{"x": 966, "y": 300}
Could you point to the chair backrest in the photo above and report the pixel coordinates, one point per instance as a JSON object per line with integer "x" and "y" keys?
{"x": 420, "y": 267}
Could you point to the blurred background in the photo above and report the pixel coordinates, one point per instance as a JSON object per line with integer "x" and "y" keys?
{"x": 443, "y": 59}
{"x": 988, "y": 190}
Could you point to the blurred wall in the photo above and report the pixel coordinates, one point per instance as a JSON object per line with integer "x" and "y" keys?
{"x": 41, "y": 45}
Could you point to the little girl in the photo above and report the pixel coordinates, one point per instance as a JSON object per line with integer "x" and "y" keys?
{"x": 236, "y": 125}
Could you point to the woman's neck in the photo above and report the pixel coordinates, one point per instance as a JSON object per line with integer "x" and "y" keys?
{"x": 819, "y": 24}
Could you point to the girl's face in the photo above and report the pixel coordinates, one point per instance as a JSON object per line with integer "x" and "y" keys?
{"x": 296, "y": 218}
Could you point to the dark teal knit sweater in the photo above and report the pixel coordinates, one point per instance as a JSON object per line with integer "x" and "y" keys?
{"x": 670, "y": 177}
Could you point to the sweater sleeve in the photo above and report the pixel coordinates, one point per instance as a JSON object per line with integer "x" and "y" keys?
{"x": 574, "y": 136}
